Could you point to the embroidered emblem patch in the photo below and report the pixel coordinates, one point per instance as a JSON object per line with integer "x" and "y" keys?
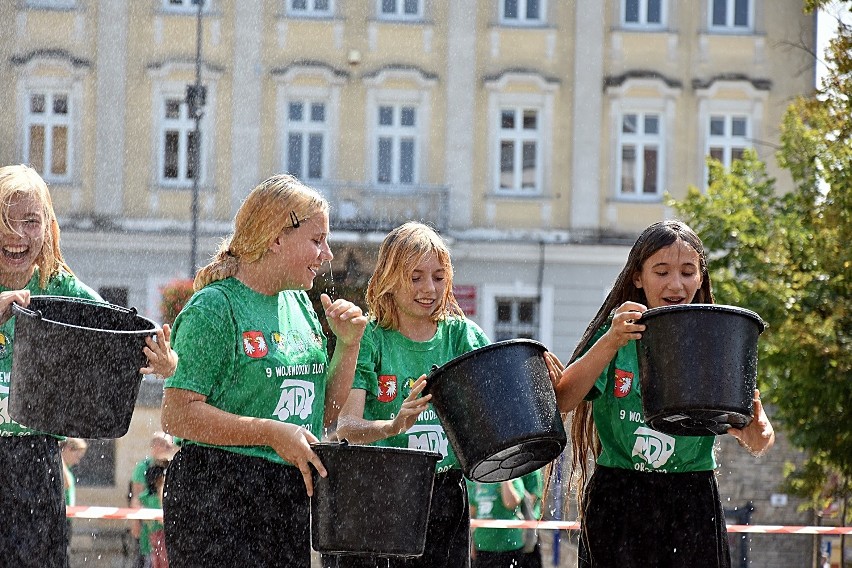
{"x": 254, "y": 344}
{"x": 623, "y": 383}
{"x": 387, "y": 388}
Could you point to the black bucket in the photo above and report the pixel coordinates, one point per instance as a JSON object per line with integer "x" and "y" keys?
{"x": 374, "y": 501}
{"x": 76, "y": 366}
{"x": 498, "y": 408}
{"x": 698, "y": 368}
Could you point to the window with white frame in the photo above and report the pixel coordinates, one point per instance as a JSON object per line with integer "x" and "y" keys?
{"x": 185, "y": 6}
{"x": 310, "y": 8}
{"x": 47, "y": 132}
{"x": 516, "y": 317}
{"x": 728, "y": 137}
{"x": 396, "y": 143}
{"x": 731, "y": 15}
{"x": 641, "y": 141}
{"x": 307, "y": 136}
{"x": 178, "y": 143}
{"x": 643, "y": 13}
{"x": 400, "y": 9}
{"x": 519, "y": 155}
{"x": 52, "y": 4}
{"x": 522, "y": 12}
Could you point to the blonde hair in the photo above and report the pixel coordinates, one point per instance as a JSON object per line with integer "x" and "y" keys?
{"x": 402, "y": 250}
{"x": 21, "y": 180}
{"x": 279, "y": 202}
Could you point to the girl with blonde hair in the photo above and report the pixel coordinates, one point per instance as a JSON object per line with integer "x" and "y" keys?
{"x": 255, "y": 387}
{"x": 31, "y": 263}
{"x": 415, "y": 323}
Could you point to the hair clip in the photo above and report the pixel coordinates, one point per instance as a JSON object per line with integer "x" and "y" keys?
{"x": 294, "y": 219}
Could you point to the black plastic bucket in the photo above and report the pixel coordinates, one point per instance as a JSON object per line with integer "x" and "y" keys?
{"x": 498, "y": 408}
{"x": 698, "y": 368}
{"x": 76, "y": 366}
{"x": 375, "y": 500}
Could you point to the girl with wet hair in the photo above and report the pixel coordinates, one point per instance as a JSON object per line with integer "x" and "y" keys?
{"x": 31, "y": 263}
{"x": 255, "y": 387}
{"x": 635, "y": 510}
{"x": 415, "y": 323}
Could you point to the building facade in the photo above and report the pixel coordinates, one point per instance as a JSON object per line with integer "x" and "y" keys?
{"x": 539, "y": 136}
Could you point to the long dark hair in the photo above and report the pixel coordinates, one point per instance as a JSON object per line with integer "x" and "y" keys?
{"x": 584, "y": 436}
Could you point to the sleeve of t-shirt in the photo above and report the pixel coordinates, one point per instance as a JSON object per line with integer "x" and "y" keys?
{"x": 203, "y": 337}
{"x": 138, "y": 475}
{"x": 366, "y": 375}
{"x": 473, "y": 337}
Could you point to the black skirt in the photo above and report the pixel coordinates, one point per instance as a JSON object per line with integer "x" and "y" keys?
{"x": 653, "y": 519}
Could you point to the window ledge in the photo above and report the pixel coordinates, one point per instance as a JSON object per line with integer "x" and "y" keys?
{"x": 517, "y": 196}
{"x": 641, "y": 200}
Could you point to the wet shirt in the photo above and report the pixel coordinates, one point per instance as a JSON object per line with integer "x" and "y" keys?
{"x": 487, "y": 499}
{"x": 389, "y": 363}
{"x": 627, "y": 442}
{"x": 63, "y": 284}
{"x": 253, "y": 355}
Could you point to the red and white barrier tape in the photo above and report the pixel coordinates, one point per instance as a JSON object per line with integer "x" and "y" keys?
{"x": 82, "y": 512}
{"x": 564, "y": 525}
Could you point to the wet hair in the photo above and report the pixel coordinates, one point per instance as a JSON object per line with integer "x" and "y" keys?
{"x": 23, "y": 181}
{"x": 279, "y": 202}
{"x": 585, "y": 442}
{"x": 402, "y": 250}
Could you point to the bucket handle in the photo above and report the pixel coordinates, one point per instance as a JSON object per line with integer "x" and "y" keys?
{"x": 16, "y": 307}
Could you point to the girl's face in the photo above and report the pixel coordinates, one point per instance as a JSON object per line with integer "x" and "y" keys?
{"x": 422, "y": 297}
{"x": 20, "y": 248}
{"x": 302, "y": 251}
{"x": 670, "y": 276}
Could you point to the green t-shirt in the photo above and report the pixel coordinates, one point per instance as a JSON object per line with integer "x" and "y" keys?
{"x": 389, "y": 363}
{"x": 487, "y": 499}
{"x": 627, "y": 442}
{"x": 534, "y": 485}
{"x": 253, "y": 355}
{"x": 63, "y": 284}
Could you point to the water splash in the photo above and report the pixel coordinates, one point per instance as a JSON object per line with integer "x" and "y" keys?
{"x": 329, "y": 283}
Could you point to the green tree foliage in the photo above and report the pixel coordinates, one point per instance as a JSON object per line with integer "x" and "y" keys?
{"x": 789, "y": 258}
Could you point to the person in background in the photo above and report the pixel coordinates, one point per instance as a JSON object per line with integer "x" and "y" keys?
{"x": 497, "y": 547}
{"x": 255, "y": 387}
{"x": 415, "y": 323}
{"x": 636, "y": 509}
{"x": 152, "y": 542}
{"x": 533, "y": 493}
{"x": 72, "y": 451}
{"x": 162, "y": 450}
{"x": 32, "y": 494}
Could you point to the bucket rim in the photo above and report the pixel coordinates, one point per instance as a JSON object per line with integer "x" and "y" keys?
{"x": 346, "y": 446}
{"x": 20, "y": 310}
{"x": 652, "y": 312}
{"x": 437, "y": 371}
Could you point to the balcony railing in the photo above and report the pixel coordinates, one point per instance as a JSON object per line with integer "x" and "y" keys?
{"x": 377, "y": 207}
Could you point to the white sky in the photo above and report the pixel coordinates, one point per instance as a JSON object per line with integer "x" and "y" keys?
{"x": 826, "y": 26}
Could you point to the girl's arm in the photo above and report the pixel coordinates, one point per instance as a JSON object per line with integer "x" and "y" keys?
{"x": 510, "y": 496}
{"x": 579, "y": 377}
{"x": 352, "y": 425}
{"x": 347, "y": 322}
{"x": 186, "y": 414}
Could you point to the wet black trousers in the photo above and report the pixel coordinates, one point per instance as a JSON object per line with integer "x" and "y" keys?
{"x": 225, "y": 509}
{"x": 447, "y": 536}
{"x": 32, "y": 503}
{"x": 666, "y": 520}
